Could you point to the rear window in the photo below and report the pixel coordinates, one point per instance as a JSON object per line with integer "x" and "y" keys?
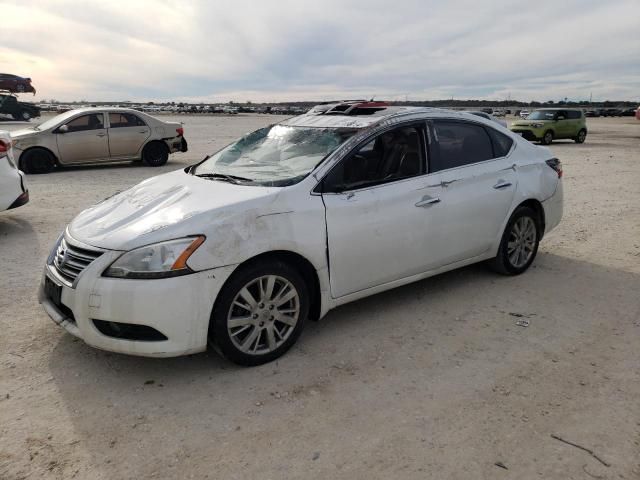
{"x": 501, "y": 143}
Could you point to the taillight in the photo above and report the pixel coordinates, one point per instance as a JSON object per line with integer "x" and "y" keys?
{"x": 556, "y": 165}
{"x": 180, "y": 131}
{"x": 4, "y": 146}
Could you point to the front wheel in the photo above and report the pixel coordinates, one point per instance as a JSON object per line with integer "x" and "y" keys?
{"x": 582, "y": 135}
{"x": 547, "y": 138}
{"x": 37, "y": 160}
{"x": 519, "y": 244}
{"x": 259, "y": 313}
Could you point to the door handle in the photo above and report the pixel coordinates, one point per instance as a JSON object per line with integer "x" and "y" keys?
{"x": 142, "y": 131}
{"x": 501, "y": 185}
{"x": 427, "y": 201}
{"x": 100, "y": 134}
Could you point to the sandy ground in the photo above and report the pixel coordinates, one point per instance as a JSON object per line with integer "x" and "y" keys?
{"x": 432, "y": 380}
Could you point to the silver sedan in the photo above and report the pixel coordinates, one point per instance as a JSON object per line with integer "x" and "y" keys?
{"x": 97, "y": 135}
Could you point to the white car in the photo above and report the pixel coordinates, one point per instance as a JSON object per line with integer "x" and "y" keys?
{"x": 294, "y": 219}
{"x": 13, "y": 192}
{"x": 524, "y": 113}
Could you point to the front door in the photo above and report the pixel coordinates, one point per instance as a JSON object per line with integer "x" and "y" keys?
{"x": 379, "y": 212}
{"x": 127, "y": 134}
{"x": 84, "y": 141}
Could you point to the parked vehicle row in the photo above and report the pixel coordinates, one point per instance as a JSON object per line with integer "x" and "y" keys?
{"x": 97, "y": 135}
{"x": 292, "y": 220}
{"x": 13, "y": 190}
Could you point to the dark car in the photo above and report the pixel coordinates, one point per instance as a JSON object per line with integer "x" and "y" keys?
{"x": 628, "y": 112}
{"x": 9, "y": 105}
{"x": 16, "y": 84}
{"x": 592, "y": 113}
{"x": 611, "y": 112}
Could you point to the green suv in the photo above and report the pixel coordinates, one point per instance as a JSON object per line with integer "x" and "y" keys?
{"x": 548, "y": 124}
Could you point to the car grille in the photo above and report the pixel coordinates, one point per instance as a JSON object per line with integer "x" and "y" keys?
{"x": 69, "y": 260}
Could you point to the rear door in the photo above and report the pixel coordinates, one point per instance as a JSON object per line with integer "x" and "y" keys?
{"x": 127, "y": 134}
{"x": 379, "y": 208}
{"x": 478, "y": 181}
{"x": 85, "y": 141}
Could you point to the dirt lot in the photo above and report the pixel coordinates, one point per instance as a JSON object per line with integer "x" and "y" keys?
{"x": 432, "y": 380}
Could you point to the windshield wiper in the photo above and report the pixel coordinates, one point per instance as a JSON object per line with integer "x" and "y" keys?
{"x": 221, "y": 176}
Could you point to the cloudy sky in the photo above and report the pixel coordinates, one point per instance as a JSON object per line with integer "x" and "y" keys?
{"x": 276, "y": 50}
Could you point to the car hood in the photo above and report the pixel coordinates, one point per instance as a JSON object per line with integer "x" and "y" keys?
{"x": 165, "y": 207}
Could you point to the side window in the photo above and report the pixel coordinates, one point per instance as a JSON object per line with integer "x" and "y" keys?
{"x": 501, "y": 143}
{"x": 458, "y": 144}
{"x": 121, "y": 120}
{"x": 393, "y": 155}
{"x": 94, "y": 121}
{"x": 574, "y": 114}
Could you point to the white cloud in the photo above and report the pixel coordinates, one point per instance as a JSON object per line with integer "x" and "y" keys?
{"x": 279, "y": 50}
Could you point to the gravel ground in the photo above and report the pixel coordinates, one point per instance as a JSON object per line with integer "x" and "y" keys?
{"x": 431, "y": 380}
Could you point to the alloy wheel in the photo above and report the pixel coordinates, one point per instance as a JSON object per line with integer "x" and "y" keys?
{"x": 263, "y": 314}
{"x": 522, "y": 241}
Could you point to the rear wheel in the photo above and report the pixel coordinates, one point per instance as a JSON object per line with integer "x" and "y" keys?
{"x": 259, "y": 313}
{"x": 155, "y": 154}
{"x": 519, "y": 244}
{"x": 547, "y": 138}
{"x": 582, "y": 135}
{"x": 37, "y": 160}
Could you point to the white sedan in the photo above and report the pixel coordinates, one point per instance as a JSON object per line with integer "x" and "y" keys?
{"x": 292, "y": 220}
{"x": 13, "y": 192}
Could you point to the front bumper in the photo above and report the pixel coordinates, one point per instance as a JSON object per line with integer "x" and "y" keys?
{"x": 531, "y": 134}
{"x": 179, "y": 308}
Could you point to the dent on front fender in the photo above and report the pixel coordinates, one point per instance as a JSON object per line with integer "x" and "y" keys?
{"x": 246, "y": 234}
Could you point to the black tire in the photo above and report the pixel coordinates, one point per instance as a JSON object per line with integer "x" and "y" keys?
{"x": 219, "y": 335}
{"x": 155, "y": 154}
{"x": 37, "y": 160}
{"x": 547, "y": 138}
{"x": 581, "y": 137}
{"x": 502, "y": 263}
{"x": 25, "y": 115}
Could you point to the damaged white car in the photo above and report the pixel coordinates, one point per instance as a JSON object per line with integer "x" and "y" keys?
{"x": 13, "y": 192}
{"x": 292, "y": 220}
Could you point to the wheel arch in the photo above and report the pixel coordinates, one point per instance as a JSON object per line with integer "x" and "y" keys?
{"x": 36, "y": 147}
{"x": 302, "y": 265}
{"x": 537, "y": 207}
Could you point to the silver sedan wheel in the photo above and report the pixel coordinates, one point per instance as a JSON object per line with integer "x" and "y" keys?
{"x": 263, "y": 314}
{"x": 522, "y": 241}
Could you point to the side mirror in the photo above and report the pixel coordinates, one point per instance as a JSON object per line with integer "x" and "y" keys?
{"x": 63, "y": 129}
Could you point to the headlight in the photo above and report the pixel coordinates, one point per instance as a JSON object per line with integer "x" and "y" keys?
{"x": 161, "y": 260}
